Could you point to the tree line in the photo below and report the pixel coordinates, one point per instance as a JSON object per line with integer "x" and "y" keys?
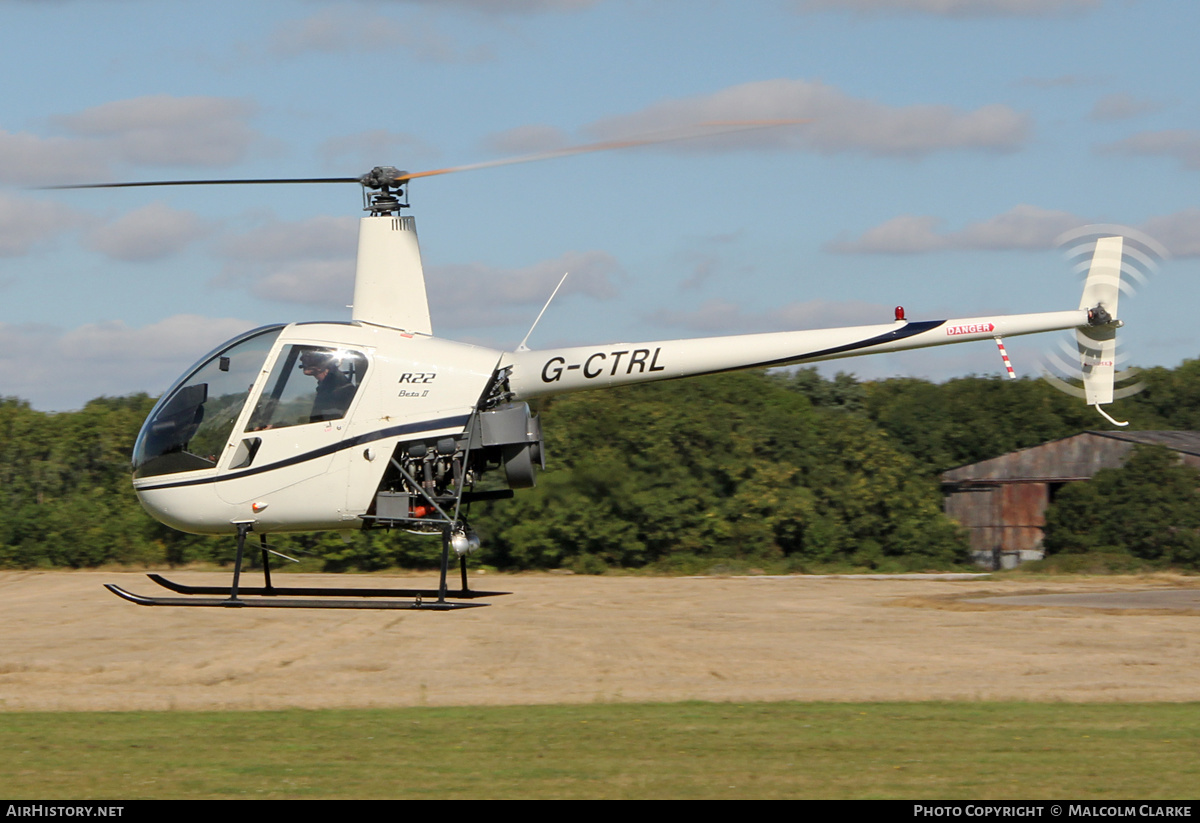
{"x": 786, "y": 471}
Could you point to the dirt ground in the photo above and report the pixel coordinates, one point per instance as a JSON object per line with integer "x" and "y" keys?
{"x": 67, "y": 644}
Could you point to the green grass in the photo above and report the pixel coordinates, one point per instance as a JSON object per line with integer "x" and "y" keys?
{"x": 682, "y": 750}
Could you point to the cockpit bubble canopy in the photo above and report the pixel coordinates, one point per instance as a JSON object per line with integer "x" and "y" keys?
{"x": 190, "y": 425}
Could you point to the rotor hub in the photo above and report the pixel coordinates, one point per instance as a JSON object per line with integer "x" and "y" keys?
{"x": 383, "y": 177}
{"x": 1099, "y": 316}
{"x": 378, "y": 195}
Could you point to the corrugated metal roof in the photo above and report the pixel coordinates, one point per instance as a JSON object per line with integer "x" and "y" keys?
{"x": 1070, "y": 458}
{"x": 1187, "y": 442}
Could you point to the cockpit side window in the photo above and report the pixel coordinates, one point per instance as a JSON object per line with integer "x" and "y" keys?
{"x": 189, "y": 427}
{"x": 309, "y": 384}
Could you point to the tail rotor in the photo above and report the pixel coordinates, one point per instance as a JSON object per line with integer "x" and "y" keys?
{"x": 1116, "y": 260}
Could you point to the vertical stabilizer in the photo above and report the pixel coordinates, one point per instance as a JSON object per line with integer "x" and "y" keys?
{"x": 1098, "y": 340}
{"x": 1103, "y": 285}
{"x": 389, "y": 283}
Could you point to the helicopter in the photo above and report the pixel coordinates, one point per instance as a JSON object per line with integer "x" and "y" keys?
{"x": 377, "y": 423}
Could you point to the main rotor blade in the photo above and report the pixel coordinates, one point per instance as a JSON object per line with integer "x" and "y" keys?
{"x": 712, "y": 128}
{"x": 204, "y": 183}
{"x": 709, "y": 129}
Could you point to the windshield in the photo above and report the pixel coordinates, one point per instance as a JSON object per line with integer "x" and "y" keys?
{"x": 191, "y": 424}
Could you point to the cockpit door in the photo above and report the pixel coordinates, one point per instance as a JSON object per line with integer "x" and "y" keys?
{"x": 300, "y": 413}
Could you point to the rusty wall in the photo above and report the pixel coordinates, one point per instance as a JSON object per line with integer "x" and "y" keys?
{"x": 1004, "y": 516}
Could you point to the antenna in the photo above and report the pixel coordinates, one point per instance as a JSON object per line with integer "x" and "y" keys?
{"x": 523, "y": 347}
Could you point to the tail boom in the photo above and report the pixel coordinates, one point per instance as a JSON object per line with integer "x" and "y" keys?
{"x": 553, "y": 371}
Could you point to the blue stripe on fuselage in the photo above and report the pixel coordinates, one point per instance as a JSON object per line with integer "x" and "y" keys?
{"x": 357, "y": 440}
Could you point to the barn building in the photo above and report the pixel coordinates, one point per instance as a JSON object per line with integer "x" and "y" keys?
{"x": 1002, "y": 502}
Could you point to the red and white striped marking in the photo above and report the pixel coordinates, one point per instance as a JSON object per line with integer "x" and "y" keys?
{"x": 1004, "y": 354}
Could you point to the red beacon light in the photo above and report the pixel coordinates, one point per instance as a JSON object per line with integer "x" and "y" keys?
{"x": 899, "y": 313}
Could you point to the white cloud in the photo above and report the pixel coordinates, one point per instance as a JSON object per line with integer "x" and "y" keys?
{"x": 308, "y": 261}
{"x": 345, "y": 28}
{"x": 149, "y": 233}
{"x": 26, "y": 223}
{"x": 27, "y": 159}
{"x": 328, "y": 283}
{"x": 1022, "y": 227}
{"x": 509, "y": 6}
{"x": 1121, "y": 106}
{"x": 705, "y": 260}
{"x": 906, "y": 234}
{"x": 321, "y": 237}
{"x": 181, "y": 337}
{"x": 76, "y": 365}
{"x": 159, "y": 130}
{"x": 163, "y": 130}
{"x": 313, "y": 262}
{"x": 529, "y": 139}
{"x": 336, "y": 30}
{"x": 341, "y": 29}
{"x": 1061, "y": 81}
{"x": 378, "y": 147}
{"x": 724, "y": 317}
{"x": 1180, "y": 144}
{"x": 839, "y": 122}
{"x": 952, "y": 8}
{"x": 1179, "y": 232}
{"x": 474, "y": 295}
{"x": 497, "y": 7}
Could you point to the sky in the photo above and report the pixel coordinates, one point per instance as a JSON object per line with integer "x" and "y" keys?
{"x": 948, "y": 145}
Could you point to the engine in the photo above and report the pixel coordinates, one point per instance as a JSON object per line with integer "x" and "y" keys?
{"x": 427, "y": 480}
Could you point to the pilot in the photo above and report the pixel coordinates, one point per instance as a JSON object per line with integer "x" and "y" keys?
{"x": 334, "y": 389}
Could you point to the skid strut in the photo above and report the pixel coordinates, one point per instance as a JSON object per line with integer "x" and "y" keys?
{"x": 269, "y": 596}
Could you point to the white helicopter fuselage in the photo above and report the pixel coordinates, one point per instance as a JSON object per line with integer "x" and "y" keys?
{"x": 323, "y": 474}
{"x": 253, "y": 434}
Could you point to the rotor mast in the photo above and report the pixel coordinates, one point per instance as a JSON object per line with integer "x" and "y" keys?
{"x": 389, "y": 280}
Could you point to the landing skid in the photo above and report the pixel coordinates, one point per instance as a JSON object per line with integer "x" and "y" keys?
{"x": 280, "y": 597}
{"x": 281, "y": 591}
{"x": 283, "y": 603}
